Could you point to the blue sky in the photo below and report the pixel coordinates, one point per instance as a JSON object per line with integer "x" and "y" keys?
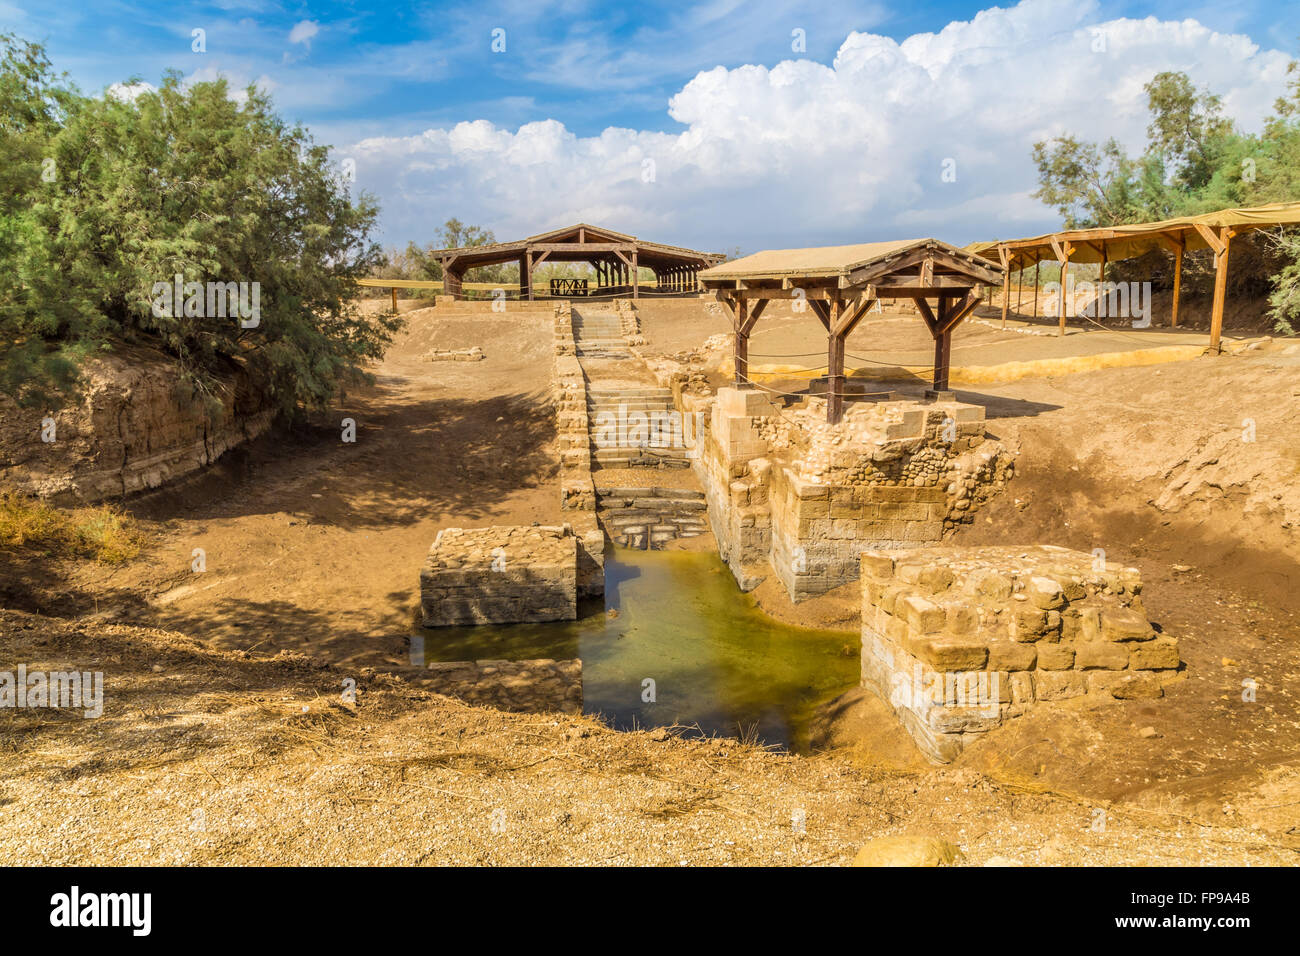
{"x": 837, "y": 140}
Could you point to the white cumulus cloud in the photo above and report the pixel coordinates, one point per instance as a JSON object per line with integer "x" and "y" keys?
{"x": 303, "y": 31}
{"x": 804, "y": 153}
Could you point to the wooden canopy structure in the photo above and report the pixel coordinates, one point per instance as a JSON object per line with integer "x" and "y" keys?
{"x": 616, "y": 257}
{"x": 1214, "y": 230}
{"x": 841, "y": 283}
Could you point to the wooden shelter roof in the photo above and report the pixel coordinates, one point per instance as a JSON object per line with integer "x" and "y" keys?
{"x": 1125, "y": 242}
{"x": 916, "y": 263}
{"x": 575, "y": 242}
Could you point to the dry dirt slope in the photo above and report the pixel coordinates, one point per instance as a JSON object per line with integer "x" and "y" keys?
{"x": 217, "y": 757}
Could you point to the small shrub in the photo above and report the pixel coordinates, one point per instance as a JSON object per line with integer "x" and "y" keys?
{"x": 103, "y": 533}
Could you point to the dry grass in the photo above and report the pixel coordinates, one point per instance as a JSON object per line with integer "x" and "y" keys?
{"x": 103, "y": 533}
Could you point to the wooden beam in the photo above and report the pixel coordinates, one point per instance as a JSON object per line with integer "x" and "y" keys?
{"x": 755, "y": 311}
{"x": 822, "y": 310}
{"x": 1062, "y": 250}
{"x": 924, "y": 308}
{"x": 394, "y": 300}
{"x": 740, "y": 350}
{"x": 1037, "y": 264}
{"x": 957, "y": 310}
{"x": 1006, "y": 284}
{"x": 1220, "y": 288}
{"x": 1213, "y": 241}
{"x": 1179, "y": 250}
{"x": 853, "y": 315}
{"x": 834, "y": 364}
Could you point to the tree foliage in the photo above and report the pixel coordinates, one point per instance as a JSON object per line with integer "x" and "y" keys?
{"x": 1195, "y": 161}
{"x": 108, "y": 196}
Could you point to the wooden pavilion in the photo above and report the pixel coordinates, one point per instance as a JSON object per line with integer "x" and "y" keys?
{"x": 616, "y": 257}
{"x": 1214, "y": 230}
{"x": 841, "y": 283}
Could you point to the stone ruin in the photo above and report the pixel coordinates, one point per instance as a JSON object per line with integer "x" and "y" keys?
{"x": 505, "y": 575}
{"x": 474, "y": 354}
{"x": 960, "y": 640}
{"x": 791, "y": 495}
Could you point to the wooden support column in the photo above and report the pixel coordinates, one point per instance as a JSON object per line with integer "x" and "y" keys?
{"x": 1101, "y": 278}
{"x": 942, "y": 353}
{"x": 394, "y": 300}
{"x": 1220, "y": 288}
{"x": 1178, "y": 280}
{"x": 528, "y": 274}
{"x": 1006, "y": 282}
{"x": 741, "y": 349}
{"x": 636, "y": 277}
{"x": 1037, "y": 265}
{"x": 743, "y": 316}
{"x": 1063, "y": 250}
{"x": 835, "y": 364}
{"x": 1020, "y": 286}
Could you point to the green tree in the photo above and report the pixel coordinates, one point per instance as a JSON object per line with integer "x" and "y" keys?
{"x": 181, "y": 181}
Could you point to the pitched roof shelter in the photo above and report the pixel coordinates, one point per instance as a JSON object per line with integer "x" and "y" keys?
{"x": 616, "y": 257}
{"x": 1213, "y": 230}
{"x": 841, "y": 283}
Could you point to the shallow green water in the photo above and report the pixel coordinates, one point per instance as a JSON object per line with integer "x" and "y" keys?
{"x": 716, "y": 660}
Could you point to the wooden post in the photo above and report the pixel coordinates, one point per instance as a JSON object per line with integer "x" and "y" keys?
{"x": 1220, "y": 289}
{"x": 1101, "y": 279}
{"x": 835, "y": 365}
{"x": 636, "y": 277}
{"x": 1178, "y": 280}
{"x": 1006, "y": 282}
{"x": 942, "y": 358}
{"x": 1063, "y": 250}
{"x": 741, "y": 347}
{"x": 1037, "y": 264}
{"x": 394, "y": 290}
{"x": 528, "y": 274}
{"x": 1020, "y": 286}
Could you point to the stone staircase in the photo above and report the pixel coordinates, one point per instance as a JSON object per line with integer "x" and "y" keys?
{"x": 648, "y": 518}
{"x": 599, "y": 334}
{"x": 619, "y": 421}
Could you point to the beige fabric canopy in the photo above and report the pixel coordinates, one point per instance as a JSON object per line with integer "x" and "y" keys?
{"x": 1126, "y": 242}
{"x": 1211, "y": 230}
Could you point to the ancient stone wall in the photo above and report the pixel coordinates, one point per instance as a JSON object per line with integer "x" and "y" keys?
{"x": 572, "y": 421}
{"x": 535, "y": 686}
{"x": 500, "y": 575}
{"x": 789, "y": 494}
{"x": 648, "y": 518}
{"x": 136, "y": 426}
{"x": 959, "y": 640}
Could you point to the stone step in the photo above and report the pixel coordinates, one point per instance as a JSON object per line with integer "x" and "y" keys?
{"x": 620, "y": 491}
{"x": 613, "y": 398}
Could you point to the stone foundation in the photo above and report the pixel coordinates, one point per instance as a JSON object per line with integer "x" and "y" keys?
{"x": 789, "y": 494}
{"x": 648, "y": 518}
{"x": 500, "y": 575}
{"x": 959, "y": 640}
{"x": 536, "y": 686}
{"x": 474, "y": 354}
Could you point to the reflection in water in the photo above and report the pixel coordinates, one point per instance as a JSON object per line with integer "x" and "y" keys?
{"x": 715, "y": 659}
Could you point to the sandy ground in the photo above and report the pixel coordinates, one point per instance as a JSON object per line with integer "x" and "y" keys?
{"x": 313, "y": 547}
{"x": 216, "y": 757}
